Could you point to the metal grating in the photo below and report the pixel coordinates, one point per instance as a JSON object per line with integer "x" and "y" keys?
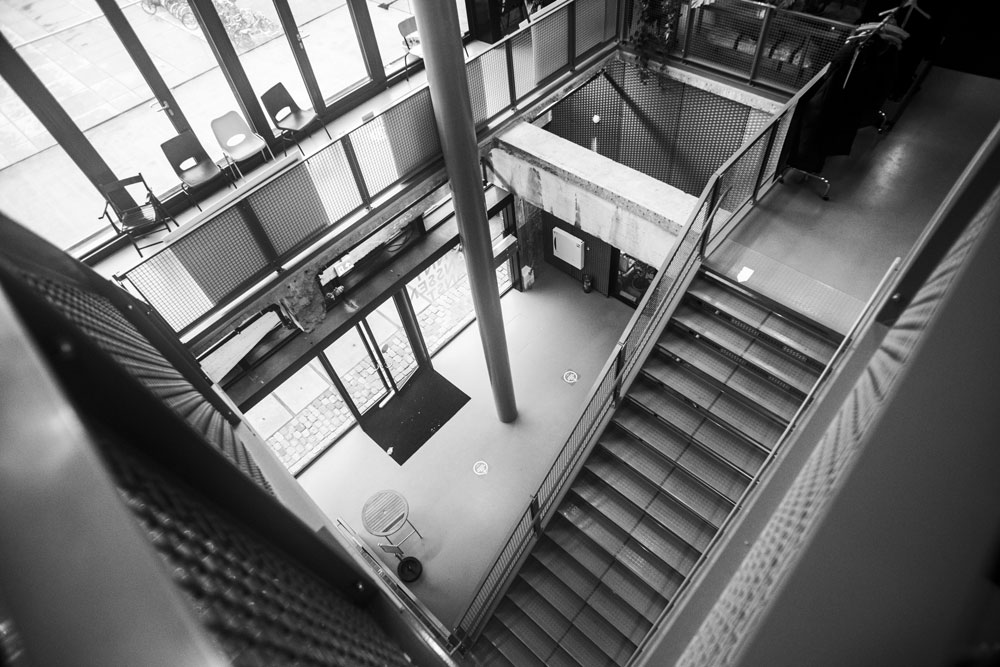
{"x": 259, "y": 605}
{"x": 590, "y": 24}
{"x": 540, "y": 51}
{"x": 709, "y": 131}
{"x": 393, "y": 145}
{"x": 166, "y": 284}
{"x": 677, "y": 48}
{"x": 726, "y": 34}
{"x": 100, "y": 321}
{"x": 289, "y": 209}
{"x": 796, "y": 47}
{"x": 489, "y": 86}
{"x": 573, "y": 119}
{"x": 334, "y": 181}
{"x": 221, "y": 255}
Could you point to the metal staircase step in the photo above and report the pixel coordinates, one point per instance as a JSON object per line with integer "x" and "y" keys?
{"x": 693, "y": 388}
{"x": 508, "y": 645}
{"x": 534, "y": 638}
{"x": 713, "y": 471}
{"x": 539, "y": 609}
{"x": 749, "y": 386}
{"x": 737, "y": 451}
{"x": 798, "y": 340}
{"x": 684, "y": 489}
{"x": 485, "y": 654}
{"x": 695, "y": 532}
{"x": 665, "y": 405}
{"x": 604, "y": 642}
{"x": 747, "y": 350}
{"x": 656, "y": 538}
{"x": 759, "y": 427}
{"x": 714, "y": 294}
{"x": 627, "y": 550}
{"x": 566, "y": 537}
{"x": 616, "y": 609}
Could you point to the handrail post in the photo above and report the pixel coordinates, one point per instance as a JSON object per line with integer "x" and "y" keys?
{"x": 764, "y": 25}
{"x": 536, "y": 515}
{"x": 571, "y": 36}
{"x": 706, "y": 230}
{"x": 772, "y": 133}
{"x": 619, "y": 366}
{"x": 359, "y": 177}
{"x": 508, "y": 49}
{"x": 694, "y": 18}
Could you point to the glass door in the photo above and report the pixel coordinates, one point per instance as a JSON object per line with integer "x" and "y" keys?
{"x": 374, "y": 359}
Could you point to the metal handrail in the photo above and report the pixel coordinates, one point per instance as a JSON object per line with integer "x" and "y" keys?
{"x": 633, "y": 342}
{"x": 866, "y": 313}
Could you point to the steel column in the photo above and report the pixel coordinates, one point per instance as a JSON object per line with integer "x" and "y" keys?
{"x": 437, "y": 22}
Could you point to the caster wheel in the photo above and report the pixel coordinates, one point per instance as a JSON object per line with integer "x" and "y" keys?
{"x": 409, "y": 569}
{"x": 826, "y": 198}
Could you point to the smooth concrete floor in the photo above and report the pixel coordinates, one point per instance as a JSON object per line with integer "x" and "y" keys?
{"x": 883, "y": 194}
{"x": 464, "y": 518}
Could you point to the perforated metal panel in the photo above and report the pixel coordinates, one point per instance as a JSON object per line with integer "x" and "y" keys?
{"x": 589, "y": 24}
{"x": 796, "y": 47}
{"x": 100, "y": 321}
{"x": 289, "y": 209}
{"x": 259, "y": 605}
{"x": 726, "y": 34}
{"x": 221, "y": 255}
{"x": 489, "y": 87}
{"x": 665, "y": 129}
{"x": 394, "y": 144}
{"x": 166, "y": 284}
{"x": 540, "y": 51}
{"x": 334, "y": 181}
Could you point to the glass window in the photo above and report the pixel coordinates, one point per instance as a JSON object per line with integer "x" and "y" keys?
{"x": 386, "y": 17}
{"x": 302, "y": 417}
{"x": 330, "y": 40}
{"x": 178, "y": 48}
{"x": 30, "y": 163}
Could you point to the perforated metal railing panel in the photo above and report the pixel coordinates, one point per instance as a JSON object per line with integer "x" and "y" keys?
{"x": 102, "y": 323}
{"x": 489, "y": 85}
{"x": 796, "y": 47}
{"x": 726, "y": 34}
{"x": 334, "y": 181}
{"x": 540, "y": 51}
{"x": 399, "y": 141}
{"x": 589, "y": 25}
{"x": 258, "y": 604}
{"x": 271, "y": 205}
{"x": 665, "y": 129}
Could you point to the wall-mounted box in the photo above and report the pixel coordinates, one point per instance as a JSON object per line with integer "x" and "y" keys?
{"x": 567, "y": 247}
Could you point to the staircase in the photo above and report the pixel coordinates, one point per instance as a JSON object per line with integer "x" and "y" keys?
{"x": 712, "y": 399}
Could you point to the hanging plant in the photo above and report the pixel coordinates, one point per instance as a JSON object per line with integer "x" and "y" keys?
{"x": 655, "y": 31}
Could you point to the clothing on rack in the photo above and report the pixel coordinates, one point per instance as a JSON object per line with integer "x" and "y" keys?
{"x": 850, "y": 98}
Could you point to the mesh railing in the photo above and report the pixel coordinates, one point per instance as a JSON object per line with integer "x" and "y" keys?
{"x": 209, "y": 266}
{"x": 734, "y": 186}
{"x": 753, "y": 41}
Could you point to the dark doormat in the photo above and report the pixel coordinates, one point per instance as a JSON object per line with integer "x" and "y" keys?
{"x": 409, "y": 418}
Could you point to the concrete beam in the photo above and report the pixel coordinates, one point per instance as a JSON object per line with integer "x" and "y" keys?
{"x": 635, "y": 213}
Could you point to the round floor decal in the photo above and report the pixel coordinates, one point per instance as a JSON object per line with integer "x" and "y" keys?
{"x": 571, "y": 377}
{"x": 480, "y": 468}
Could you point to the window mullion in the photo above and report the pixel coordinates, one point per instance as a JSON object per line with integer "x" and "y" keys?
{"x": 369, "y": 44}
{"x": 137, "y": 52}
{"x": 291, "y": 29}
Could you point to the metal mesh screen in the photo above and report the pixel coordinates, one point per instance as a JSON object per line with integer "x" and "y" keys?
{"x": 796, "y": 47}
{"x": 334, "y": 181}
{"x": 258, "y": 604}
{"x": 102, "y": 323}
{"x": 573, "y": 119}
{"x": 289, "y": 209}
{"x": 540, "y": 51}
{"x": 489, "y": 86}
{"x": 166, "y": 284}
{"x": 682, "y": 29}
{"x": 391, "y": 146}
{"x": 736, "y": 184}
{"x": 771, "y": 170}
{"x": 221, "y": 255}
{"x": 589, "y": 24}
{"x": 709, "y": 130}
{"x": 725, "y": 34}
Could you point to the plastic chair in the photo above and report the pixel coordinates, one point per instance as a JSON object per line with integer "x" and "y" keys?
{"x": 132, "y": 219}
{"x": 287, "y": 116}
{"x": 411, "y": 42}
{"x": 191, "y": 163}
{"x": 237, "y": 141}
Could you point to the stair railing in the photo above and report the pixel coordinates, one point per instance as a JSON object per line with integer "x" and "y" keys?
{"x": 730, "y": 193}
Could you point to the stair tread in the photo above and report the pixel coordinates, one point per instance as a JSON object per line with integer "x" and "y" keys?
{"x": 485, "y": 654}
{"x": 787, "y": 332}
{"x": 663, "y": 440}
{"x": 688, "y": 384}
{"x": 539, "y": 609}
{"x": 583, "y": 650}
{"x": 751, "y": 386}
{"x": 766, "y": 357}
{"x": 507, "y": 643}
{"x": 626, "y": 551}
{"x": 730, "y": 446}
{"x": 533, "y": 637}
{"x": 615, "y": 608}
{"x": 759, "y": 427}
{"x": 664, "y": 545}
{"x": 704, "y": 502}
{"x": 716, "y": 295}
{"x": 660, "y": 505}
{"x": 683, "y": 417}
{"x": 638, "y": 593}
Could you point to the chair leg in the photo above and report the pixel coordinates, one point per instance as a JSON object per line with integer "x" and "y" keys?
{"x": 190, "y": 198}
